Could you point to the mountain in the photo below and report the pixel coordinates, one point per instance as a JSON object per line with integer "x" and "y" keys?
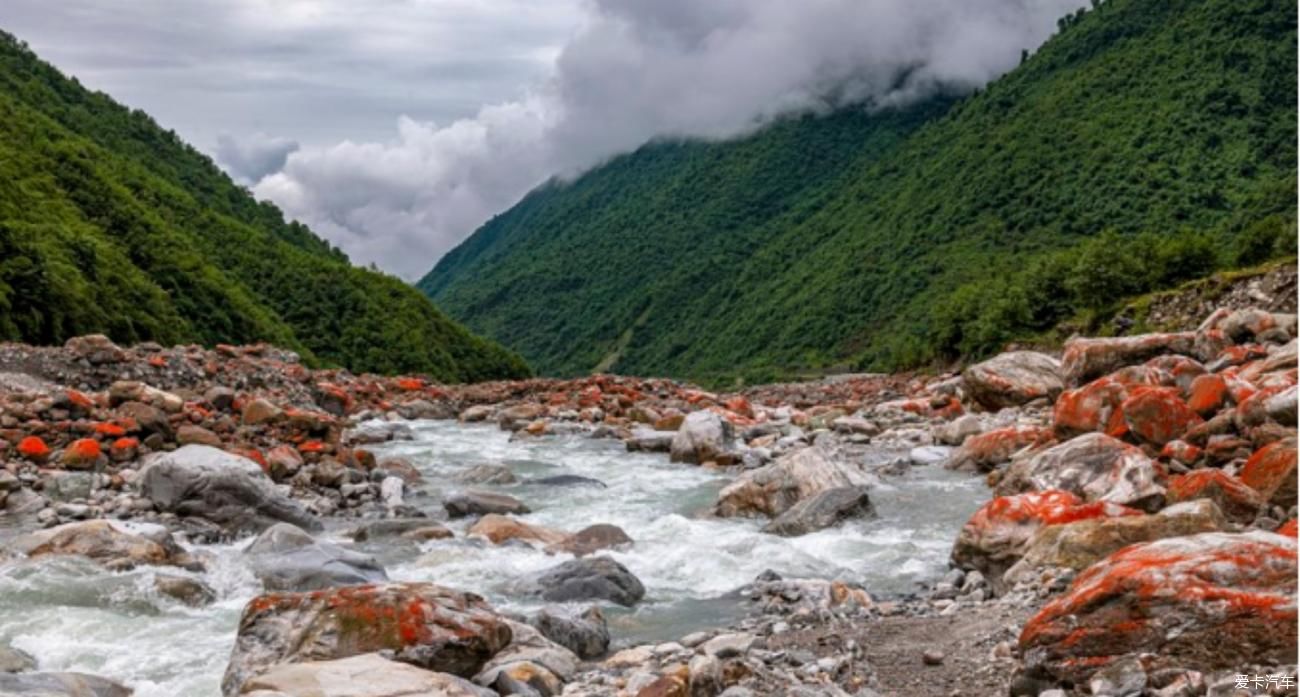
{"x": 108, "y": 223}
{"x": 1144, "y": 144}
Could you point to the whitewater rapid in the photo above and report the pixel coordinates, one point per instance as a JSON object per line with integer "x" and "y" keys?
{"x": 74, "y": 616}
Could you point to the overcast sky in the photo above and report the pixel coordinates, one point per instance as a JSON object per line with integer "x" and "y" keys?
{"x": 395, "y": 127}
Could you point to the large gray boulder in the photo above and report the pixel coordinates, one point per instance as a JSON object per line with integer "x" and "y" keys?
{"x": 232, "y": 491}
{"x": 585, "y": 634}
{"x": 478, "y": 503}
{"x": 590, "y": 578}
{"x": 703, "y": 437}
{"x": 823, "y": 510}
{"x": 287, "y": 558}
{"x": 59, "y": 685}
{"x": 773, "y": 489}
{"x": 1094, "y": 467}
{"x": 1014, "y": 378}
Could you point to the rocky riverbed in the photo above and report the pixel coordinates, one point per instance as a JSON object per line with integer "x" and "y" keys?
{"x": 183, "y": 521}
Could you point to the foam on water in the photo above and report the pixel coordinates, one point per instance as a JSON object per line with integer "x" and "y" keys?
{"x": 73, "y": 615}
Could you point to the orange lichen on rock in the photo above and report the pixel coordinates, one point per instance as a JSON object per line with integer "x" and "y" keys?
{"x": 81, "y": 453}
{"x": 33, "y": 448}
{"x": 985, "y": 451}
{"x": 1272, "y": 472}
{"x": 1213, "y": 600}
{"x": 1236, "y": 500}
{"x": 1157, "y": 415}
{"x": 1209, "y": 393}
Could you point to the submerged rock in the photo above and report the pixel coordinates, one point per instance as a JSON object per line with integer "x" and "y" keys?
{"x": 487, "y": 474}
{"x": 823, "y": 510}
{"x": 232, "y": 491}
{"x": 592, "y": 539}
{"x": 286, "y": 558}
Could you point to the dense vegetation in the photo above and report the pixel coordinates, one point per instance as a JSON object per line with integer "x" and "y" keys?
{"x": 1146, "y": 143}
{"x": 108, "y": 223}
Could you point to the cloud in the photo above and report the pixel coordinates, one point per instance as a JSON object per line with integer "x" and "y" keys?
{"x": 249, "y": 159}
{"x": 639, "y": 69}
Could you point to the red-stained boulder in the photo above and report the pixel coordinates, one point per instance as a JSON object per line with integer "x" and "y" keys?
{"x": 996, "y": 536}
{"x": 34, "y": 449}
{"x": 1208, "y": 394}
{"x": 1157, "y": 415}
{"x": 1096, "y": 406}
{"x": 1272, "y": 472}
{"x": 1085, "y": 359}
{"x": 1288, "y": 528}
{"x": 985, "y": 451}
{"x": 1208, "y": 601}
{"x": 428, "y": 626}
{"x": 1094, "y": 467}
{"x": 1181, "y": 369}
{"x": 1237, "y": 501}
{"x": 1013, "y": 378}
{"x": 1181, "y": 451}
{"x": 81, "y": 454}
{"x": 1253, "y": 410}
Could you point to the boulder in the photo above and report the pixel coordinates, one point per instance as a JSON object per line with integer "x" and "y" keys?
{"x": 822, "y": 510}
{"x": 499, "y": 529}
{"x": 586, "y": 634}
{"x": 487, "y": 474}
{"x": 1094, "y": 467}
{"x": 369, "y": 432}
{"x": 518, "y": 416}
{"x": 1272, "y": 472}
{"x": 1208, "y": 601}
{"x": 366, "y": 675}
{"x": 773, "y": 489}
{"x": 590, "y": 578}
{"x": 95, "y": 349}
{"x": 476, "y": 413}
{"x": 232, "y": 491}
{"x": 1014, "y": 378}
{"x": 1282, "y": 407}
{"x": 113, "y": 544}
{"x": 529, "y": 646}
{"x": 997, "y": 535}
{"x": 703, "y": 437}
{"x": 959, "y": 430}
{"x": 477, "y": 503}
{"x": 15, "y": 661}
{"x": 1082, "y": 543}
{"x": 650, "y": 441}
{"x": 1208, "y": 394}
{"x": 400, "y": 467}
{"x": 409, "y": 528}
{"x": 1093, "y": 407}
{"x": 260, "y": 411}
{"x": 1158, "y": 415}
{"x": 60, "y": 685}
{"x": 189, "y": 434}
{"x": 592, "y": 539}
{"x": 1235, "y": 499}
{"x": 1086, "y": 359}
{"x": 286, "y": 558}
{"x": 422, "y": 624}
{"x": 150, "y": 419}
{"x": 986, "y": 451}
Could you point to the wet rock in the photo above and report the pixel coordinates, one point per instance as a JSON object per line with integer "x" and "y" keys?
{"x": 487, "y": 474}
{"x": 1213, "y": 601}
{"x": 232, "y": 491}
{"x": 703, "y": 437}
{"x": 366, "y": 675}
{"x": 59, "y": 685}
{"x": 997, "y": 535}
{"x": 115, "y": 545}
{"x": 1093, "y": 466}
{"x": 399, "y": 467}
{"x": 499, "y": 529}
{"x": 425, "y": 625}
{"x": 15, "y": 661}
{"x": 592, "y": 539}
{"x": 518, "y": 416}
{"x": 590, "y": 578}
{"x": 410, "y": 528}
{"x": 822, "y": 510}
{"x": 1080, "y": 544}
{"x": 569, "y": 480}
{"x": 585, "y": 634}
{"x": 286, "y": 558}
{"x": 650, "y": 441}
{"x": 773, "y": 489}
{"x": 1014, "y": 378}
{"x": 477, "y": 503}
{"x": 188, "y": 590}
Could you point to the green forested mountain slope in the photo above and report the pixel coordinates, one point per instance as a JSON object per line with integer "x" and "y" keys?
{"x": 110, "y": 223}
{"x": 893, "y": 238}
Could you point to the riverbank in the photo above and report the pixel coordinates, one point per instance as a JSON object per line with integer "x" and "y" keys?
{"x": 811, "y": 538}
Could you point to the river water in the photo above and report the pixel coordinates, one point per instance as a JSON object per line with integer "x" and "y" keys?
{"x": 73, "y": 615}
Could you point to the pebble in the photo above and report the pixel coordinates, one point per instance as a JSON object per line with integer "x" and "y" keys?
{"x": 932, "y": 657}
